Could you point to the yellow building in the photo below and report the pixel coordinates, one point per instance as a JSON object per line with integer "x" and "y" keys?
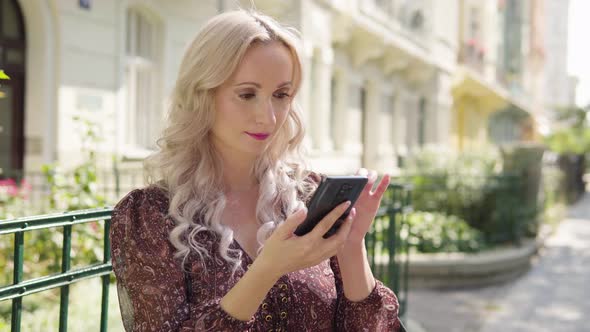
{"x": 474, "y": 100}
{"x": 488, "y": 90}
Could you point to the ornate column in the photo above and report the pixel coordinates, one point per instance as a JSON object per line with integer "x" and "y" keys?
{"x": 372, "y": 126}
{"x": 400, "y": 124}
{"x": 320, "y": 112}
{"x": 341, "y": 116}
{"x": 304, "y": 96}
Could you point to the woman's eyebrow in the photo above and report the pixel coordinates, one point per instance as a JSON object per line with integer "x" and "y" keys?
{"x": 258, "y": 85}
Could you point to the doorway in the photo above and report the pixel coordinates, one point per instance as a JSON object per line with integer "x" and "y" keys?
{"x": 12, "y": 61}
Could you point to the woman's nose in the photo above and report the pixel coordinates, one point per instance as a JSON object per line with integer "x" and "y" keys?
{"x": 265, "y": 113}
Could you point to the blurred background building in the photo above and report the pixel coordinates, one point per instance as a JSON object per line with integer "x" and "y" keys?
{"x": 382, "y": 79}
{"x": 559, "y": 89}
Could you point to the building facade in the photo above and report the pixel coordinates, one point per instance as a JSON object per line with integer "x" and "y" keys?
{"x": 382, "y": 79}
{"x": 559, "y": 87}
{"x": 374, "y": 92}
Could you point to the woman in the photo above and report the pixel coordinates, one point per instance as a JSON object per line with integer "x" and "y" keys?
{"x": 209, "y": 244}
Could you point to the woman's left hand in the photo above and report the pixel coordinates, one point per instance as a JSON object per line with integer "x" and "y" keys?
{"x": 366, "y": 208}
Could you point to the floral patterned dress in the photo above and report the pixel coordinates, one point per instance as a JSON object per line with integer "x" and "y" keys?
{"x": 155, "y": 294}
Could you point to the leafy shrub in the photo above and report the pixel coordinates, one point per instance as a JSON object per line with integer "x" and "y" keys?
{"x": 447, "y": 181}
{"x": 435, "y": 232}
{"x": 570, "y": 141}
{"x": 574, "y": 136}
{"x": 13, "y": 197}
{"x": 76, "y": 189}
{"x": 471, "y": 186}
{"x": 72, "y": 189}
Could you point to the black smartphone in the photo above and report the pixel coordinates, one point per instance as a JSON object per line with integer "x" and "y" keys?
{"x": 332, "y": 191}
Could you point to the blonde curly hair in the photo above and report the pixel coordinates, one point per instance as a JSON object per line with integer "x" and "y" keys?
{"x": 187, "y": 166}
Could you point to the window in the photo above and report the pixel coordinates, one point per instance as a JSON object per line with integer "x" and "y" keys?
{"x": 402, "y": 9}
{"x": 12, "y": 111}
{"x": 142, "y": 80}
{"x": 385, "y": 5}
{"x": 474, "y": 20}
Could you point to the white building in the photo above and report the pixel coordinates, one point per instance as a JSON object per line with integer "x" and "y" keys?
{"x": 112, "y": 62}
{"x": 377, "y": 75}
{"x": 559, "y": 87}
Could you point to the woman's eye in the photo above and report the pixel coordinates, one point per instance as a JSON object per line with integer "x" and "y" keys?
{"x": 247, "y": 96}
{"x": 282, "y": 95}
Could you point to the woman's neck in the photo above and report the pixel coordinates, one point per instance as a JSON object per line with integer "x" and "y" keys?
{"x": 238, "y": 176}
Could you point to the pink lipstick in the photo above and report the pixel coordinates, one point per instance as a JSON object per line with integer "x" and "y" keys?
{"x": 258, "y": 136}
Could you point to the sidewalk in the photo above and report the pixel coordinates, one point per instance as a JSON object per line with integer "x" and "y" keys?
{"x": 550, "y": 297}
{"x": 553, "y": 296}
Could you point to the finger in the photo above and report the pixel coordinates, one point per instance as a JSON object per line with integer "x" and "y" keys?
{"x": 326, "y": 223}
{"x": 291, "y": 223}
{"x": 362, "y": 172}
{"x": 382, "y": 187}
{"x": 338, "y": 239}
{"x": 372, "y": 176}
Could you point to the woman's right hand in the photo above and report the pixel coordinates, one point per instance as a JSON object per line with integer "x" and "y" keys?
{"x": 285, "y": 252}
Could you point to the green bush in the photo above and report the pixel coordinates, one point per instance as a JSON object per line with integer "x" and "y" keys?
{"x": 570, "y": 141}
{"x": 572, "y": 144}
{"x": 76, "y": 188}
{"x": 525, "y": 161}
{"x": 449, "y": 182}
{"x": 13, "y": 198}
{"x": 435, "y": 232}
{"x": 72, "y": 189}
{"x": 471, "y": 186}
{"x": 575, "y": 138}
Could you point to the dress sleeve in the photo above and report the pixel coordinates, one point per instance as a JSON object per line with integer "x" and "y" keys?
{"x": 151, "y": 284}
{"x": 377, "y": 312}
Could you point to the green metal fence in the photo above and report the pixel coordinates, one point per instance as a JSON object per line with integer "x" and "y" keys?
{"x": 383, "y": 242}
{"x": 494, "y": 204}
{"x": 387, "y": 245}
{"x": 21, "y": 288}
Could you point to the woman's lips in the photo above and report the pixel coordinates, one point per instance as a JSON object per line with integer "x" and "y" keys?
{"x": 258, "y": 136}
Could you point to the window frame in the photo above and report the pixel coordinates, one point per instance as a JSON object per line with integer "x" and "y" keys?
{"x": 135, "y": 64}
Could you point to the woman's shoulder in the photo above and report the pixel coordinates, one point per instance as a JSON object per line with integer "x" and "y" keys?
{"x": 150, "y": 196}
{"x": 141, "y": 207}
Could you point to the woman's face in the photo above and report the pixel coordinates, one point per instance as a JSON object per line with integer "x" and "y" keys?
{"x": 252, "y": 105}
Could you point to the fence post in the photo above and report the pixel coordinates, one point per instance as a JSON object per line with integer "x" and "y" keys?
{"x": 17, "y": 303}
{"x": 105, "y": 279}
{"x": 65, "y": 267}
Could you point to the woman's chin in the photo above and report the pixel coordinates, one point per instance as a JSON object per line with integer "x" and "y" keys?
{"x": 255, "y": 151}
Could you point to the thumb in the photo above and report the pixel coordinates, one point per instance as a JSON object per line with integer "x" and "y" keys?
{"x": 291, "y": 223}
